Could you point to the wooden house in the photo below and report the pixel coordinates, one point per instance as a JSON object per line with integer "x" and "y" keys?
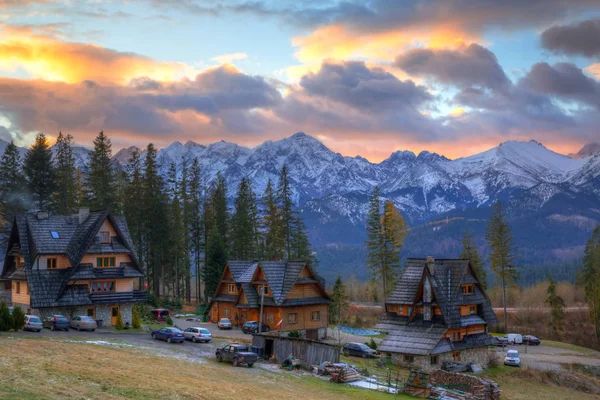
{"x": 82, "y": 264}
{"x": 293, "y": 295}
{"x": 438, "y": 312}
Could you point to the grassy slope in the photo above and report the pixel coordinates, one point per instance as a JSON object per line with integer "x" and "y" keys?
{"x": 40, "y": 369}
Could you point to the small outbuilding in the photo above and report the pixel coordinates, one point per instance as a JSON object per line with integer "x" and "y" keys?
{"x": 311, "y": 352}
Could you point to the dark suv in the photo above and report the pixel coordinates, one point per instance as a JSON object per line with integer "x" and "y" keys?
{"x": 238, "y": 354}
{"x": 252, "y": 327}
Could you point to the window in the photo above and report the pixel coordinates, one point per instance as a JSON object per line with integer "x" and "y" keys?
{"x": 18, "y": 287}
{"x": 55, "y": 235}
{"x": 455, "y": 336}
{"x": 260, "y": 290}
{"x": 90, "y": 312}
{"x": 51, "y": 263}
{"x": 103, "y": 286}
{"x": 105, "y": 262}
{"x": 407, "y": 358}
{"x": 292, "y": 318}
{"x": 227, "y": 312}
{"x": 315, "y": 316}
{"x": 456, "y": 355}
{"x": 105, "y": 237}
{"x": 231, "y": 288}
{"x": 468, "y": 289}
{"x": 434, "y": 360}
{"x": 472, "y": 309}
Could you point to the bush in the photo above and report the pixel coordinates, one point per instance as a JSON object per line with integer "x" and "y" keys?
{"x": 18, "y": 317}
{"x": 6, "y": 321}
{"x": 119, "y": 325}
{"x": 372, "y": 344}
{"x": 135, "y": 319}
{"x": 153, "y": 300}
{"x": 169, "y": 321}
{"x": 295, "y": 334}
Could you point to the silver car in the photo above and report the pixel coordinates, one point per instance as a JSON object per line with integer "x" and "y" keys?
{"x": 196, "y": 334}
{"x": 83, "y": 323}
{"x": 32, "y": 323}
{"x": 512, "y": 358}
{"x": 224, "y": 323}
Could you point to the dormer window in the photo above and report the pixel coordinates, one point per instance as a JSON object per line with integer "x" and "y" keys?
{"x": 260, "y": 290}
{"x": 51, "y": 263}
{"x": 55, "y": 235}
{"x": 468, "y": 289}
{"x": 231, "y": 288}
{"x": 105, "y": 237}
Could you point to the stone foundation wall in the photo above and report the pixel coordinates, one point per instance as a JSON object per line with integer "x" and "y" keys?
{"x": 103, "y": 312}
{"x": 479, "y": 355}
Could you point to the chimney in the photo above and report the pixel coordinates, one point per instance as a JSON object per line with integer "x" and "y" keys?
{"x": 431, "y": 264}
{"x": 83, "y": 214}
{"x": 427, "y": 300}
{"x": 42, "y": 215}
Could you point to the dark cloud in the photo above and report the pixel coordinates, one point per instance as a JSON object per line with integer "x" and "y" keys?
{"x": 374, "y": 89}
{"x": 464, "y": 67}
{"x": 576, "y": 39}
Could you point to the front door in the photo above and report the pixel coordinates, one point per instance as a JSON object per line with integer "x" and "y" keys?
{"x": 114, "y": 312}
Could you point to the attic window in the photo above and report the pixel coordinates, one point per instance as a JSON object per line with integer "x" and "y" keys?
{"x": 468, "y": 289}
{"x": 55, "y": 235}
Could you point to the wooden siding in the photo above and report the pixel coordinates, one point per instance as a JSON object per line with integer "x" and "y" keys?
{"x": 302, "y": 290}
{"x": 61, "y": 261}
{"x": 119, "y": 258}
{"x": 107, "y": 227}
{"x": 22, "y": 297}
{"x": 466, "y": 310}
{"x": 224, "y": 288}
{"x": 400, "y": 309}
{"x": 474, "y": 329}
{"x": 305, "y": 273}
{"x": 121, "y": 285}
{"x": 311, "y": 353}
{"x": 303, "y": 320}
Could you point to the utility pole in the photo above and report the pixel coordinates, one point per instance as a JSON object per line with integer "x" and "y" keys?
{"x": 262, "y": 302}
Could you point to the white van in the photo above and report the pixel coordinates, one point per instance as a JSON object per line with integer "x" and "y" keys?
{"x": 514, "y": 338}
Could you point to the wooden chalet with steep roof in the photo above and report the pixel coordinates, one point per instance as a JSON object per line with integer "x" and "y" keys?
{"x": 293, "y": 294}
{"x": 82, "y": 264}
{"x": 438, "y": 312}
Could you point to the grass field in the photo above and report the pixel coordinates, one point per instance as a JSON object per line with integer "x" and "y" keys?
{"x": 44, "y": 369}
{"x": 567, "y": 346}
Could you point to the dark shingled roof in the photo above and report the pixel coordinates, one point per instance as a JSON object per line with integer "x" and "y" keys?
{"x": 446, "y": 279}
{"x": 416, "y": 340}
{"x": 238, "y": 267}
{"x": 55, "y": 288}
{"x": 305, "y": 301}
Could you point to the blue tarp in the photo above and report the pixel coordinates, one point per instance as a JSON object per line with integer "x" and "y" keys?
{"x": 357, "y": 331}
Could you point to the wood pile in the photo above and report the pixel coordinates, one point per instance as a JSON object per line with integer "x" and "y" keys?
{"x": 478, "y": 388}
{"x": 343, "y": 374}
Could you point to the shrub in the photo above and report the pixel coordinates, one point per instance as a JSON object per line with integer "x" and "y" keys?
{"x": 135, "y": 319}
{"x": 169, "y": 321}
{"x": 119, "y": 325}
{"x": 295, "y": 334}
{"x": 18, "y": 317}
{"x": 372, "y": 344}
{"x": 6, "y": 322}
{"x": 153, "y": 300}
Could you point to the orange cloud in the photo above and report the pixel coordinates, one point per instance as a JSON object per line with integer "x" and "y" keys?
{"x": 46, "y": 57}
{"x": 594, "y": 69}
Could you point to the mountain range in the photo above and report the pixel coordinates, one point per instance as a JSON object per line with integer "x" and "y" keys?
{"x": 553, "y": 200}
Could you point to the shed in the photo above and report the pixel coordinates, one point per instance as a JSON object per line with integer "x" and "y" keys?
{"x": 309, "y": 351}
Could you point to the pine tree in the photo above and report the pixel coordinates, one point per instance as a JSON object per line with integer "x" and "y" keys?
{"x": 185, "y": 262}
{"x": 469, "y": 252}
{"x": 13, "y": 190}
{"x": 216, "y": 224}
{"x": 286, "y": 210}
{"x": 274, "y": 243}
{"x": 39, "y": 172}
{"x": 393, "y": 235}
{"x": 339, "y": 302}
{"x": 374, "y": 235}
{"x": 136, "y": 323}
{"x": 591, "y": 278}
{"x": 301, "y": 249}
{"x": 503, "y": 255}
{"x": 557, "y": 305}
{"x": 65, "y": 197}
{"x": 101, "y": 178}
{"x": 196, "y": 222}
{"x": 218, "y": 200}
{"x": 244, "y": 224}
{"x": 216, "y": 260}
{"x": 134, "y": 204}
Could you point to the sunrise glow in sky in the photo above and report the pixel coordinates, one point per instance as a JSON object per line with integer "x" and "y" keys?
{"x": 365, "y": 77}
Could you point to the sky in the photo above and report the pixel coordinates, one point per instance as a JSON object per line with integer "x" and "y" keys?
{"x": 365, "y": 77}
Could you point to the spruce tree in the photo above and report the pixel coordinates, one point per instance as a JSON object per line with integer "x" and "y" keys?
{"x": 591, "y": 278}
{"x": 339, "y": 302}
{"x": 65, "y": 197}
{"x": 216, "y": 225}
{"x": 301, "y": 249}
{"x": 13, "y": 190}
{"x": 469, "y": 252}
{"x": 502, "y": 255}
{"x": 557, "y": 305}
{"x": 196, "y": 222}
{"x": 274, "y": 243}
{"x": 393, "y": 232}
{"x": 216, "y": 260}
{"x": 374, "y": 235}
{"x": 243, "y": 223}
{"x": 101, "y": 177}
{"x": 134, "y": 203}
{"x": 185, "y": 262}
{"x": 286, "y": 210}
{"x": 39, "y": 172}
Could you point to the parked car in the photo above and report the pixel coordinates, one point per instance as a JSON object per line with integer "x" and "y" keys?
{"x": 237, "y": 353}
{"x": 196, "y": 334}
{"x": 160, "y": 314}
{"x": 501, "y": 341}
{"x": 224, "y": 323}
{"x": 195, "y": 319}
{"x": 358, "y": 350}
{"x": 83, "y": 323}
{"x": 512, "y": 358}
{"x": 33, "y": 323}
{"x": 531, "y": 340}
{"x": 514, "y": 338}
{"x": 56, "y": 322}
{"x": 252, "y": 327}
{"x": 171, "y": 335}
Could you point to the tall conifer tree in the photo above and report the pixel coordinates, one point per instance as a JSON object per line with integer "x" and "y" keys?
{"x": 13, "y": 190}
{"x": 101, "y": 176}
{"x": 286, "y": 210}
{"x": 591, "y": 278}
{"x": 39, "y": 172}
{"x": 274, "y": 243}
{"x": 196, "y": 224}
{"x": 244, "y": 223}
{"x": 557, "y": 306}
{"x": 66, "y": 196}
{"x": 469, "y": 252}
